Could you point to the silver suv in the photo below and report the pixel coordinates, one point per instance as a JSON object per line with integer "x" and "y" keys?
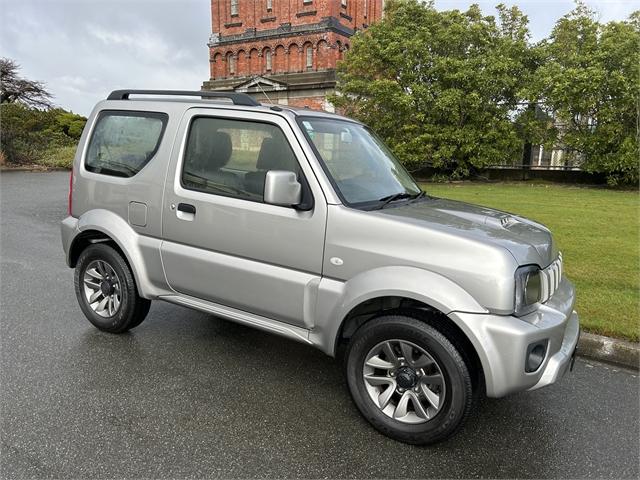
{"x": 303, "y": 224}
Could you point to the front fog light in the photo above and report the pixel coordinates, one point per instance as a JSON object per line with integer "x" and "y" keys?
{"x": 535, "y": 356}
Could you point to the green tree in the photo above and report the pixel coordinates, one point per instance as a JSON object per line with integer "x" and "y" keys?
{"x": 14, "y": 88}
{"x": 32, "y": 130}
{"x": 69, "y": 123}
{"x": 442, "y": 88}
{"x": 589, "y": 82}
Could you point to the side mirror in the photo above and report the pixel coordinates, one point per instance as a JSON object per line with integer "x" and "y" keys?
{"x": 282, "y": 188}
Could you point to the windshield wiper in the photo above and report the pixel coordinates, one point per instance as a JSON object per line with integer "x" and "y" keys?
{"x": 418, "y": 196}
{"x": 400, "y": 196}
{"x": 392, "y": 198}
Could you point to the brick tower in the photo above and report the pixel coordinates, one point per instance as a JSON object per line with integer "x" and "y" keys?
{"x": 283, "y": 51}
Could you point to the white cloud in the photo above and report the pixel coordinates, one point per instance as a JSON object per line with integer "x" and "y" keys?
{"x": 84, "y": 49}
{"x": 145, "y": 44}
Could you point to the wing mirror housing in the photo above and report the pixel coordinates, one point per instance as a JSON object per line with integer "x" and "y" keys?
{"x": 282, "y": 188}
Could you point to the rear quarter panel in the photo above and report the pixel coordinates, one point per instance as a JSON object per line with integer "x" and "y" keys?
{"x": 93, "y": 190}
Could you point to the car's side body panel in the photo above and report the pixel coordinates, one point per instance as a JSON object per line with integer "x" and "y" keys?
{"x": 142, "y": 252}
{"x": 337, "y": 298}
{"x": 266, "y": 324}
{"x": 97, "y": 191}
{"x": 246, "y": 254}
{"x": 364, "y": 241}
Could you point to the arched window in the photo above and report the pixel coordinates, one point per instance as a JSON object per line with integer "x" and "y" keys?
{"x": 231, "y": 60}
{"x": 267, "y": 60}
{"x": 309, "y": 57}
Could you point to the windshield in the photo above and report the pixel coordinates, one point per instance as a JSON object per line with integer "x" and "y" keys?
{"x": 361, "y": 166}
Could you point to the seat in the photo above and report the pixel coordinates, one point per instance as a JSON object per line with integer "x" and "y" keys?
{"x": 274, "y": 154}
{"x": 209, "y": 153}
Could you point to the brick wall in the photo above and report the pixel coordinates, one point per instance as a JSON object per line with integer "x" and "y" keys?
{"x": 248, "y": 56}
{"x": 288, "y": 54}
{"x": 290, "y": 37}
{"x": 356, "y": 14}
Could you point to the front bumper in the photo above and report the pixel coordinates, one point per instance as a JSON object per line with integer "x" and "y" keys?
{"x": 501, "y": 343}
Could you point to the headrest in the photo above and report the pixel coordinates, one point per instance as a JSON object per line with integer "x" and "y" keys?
{"x": 221, "y": 149}
{"x": 274, "y": 155}
{"x": 208, "y": 149}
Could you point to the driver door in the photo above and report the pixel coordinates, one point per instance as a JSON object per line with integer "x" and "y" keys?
{"x": 221, "y": 242}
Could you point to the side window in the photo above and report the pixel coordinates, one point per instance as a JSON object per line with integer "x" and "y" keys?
{"x": 232, "y": 157}
{"x": 124, "y": 142}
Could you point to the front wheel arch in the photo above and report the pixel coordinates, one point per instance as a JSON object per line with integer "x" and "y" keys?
{"x": 367, "y": 311}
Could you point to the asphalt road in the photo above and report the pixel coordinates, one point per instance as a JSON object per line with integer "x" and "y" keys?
{"x": 189, "y": 395}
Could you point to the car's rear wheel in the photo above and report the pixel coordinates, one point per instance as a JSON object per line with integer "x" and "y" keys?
{"x": 106, "y": 290}
{"x": 408, "y": 380}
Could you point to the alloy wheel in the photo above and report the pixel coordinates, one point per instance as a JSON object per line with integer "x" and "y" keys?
{"x": 102, "y": 288}
{"x": 404, "y": 381}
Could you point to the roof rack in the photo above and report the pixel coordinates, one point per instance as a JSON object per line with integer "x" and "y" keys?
{"x": 236, "y": 98}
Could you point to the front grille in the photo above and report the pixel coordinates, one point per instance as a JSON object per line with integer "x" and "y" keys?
{"x": 550, "y": 278}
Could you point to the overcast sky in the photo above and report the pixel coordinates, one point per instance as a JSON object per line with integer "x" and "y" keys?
{"x": 83, "y": 49}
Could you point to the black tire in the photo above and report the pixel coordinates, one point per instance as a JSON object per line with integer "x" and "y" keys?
{"x": 458, "y": 398}
{"x": 132, "y": 309}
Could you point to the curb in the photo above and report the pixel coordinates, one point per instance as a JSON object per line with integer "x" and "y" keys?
{"x": 27, "y": 168}
{"x": 610, "y": 350}
{"x": 16, "y": 169}
{"x": 34, "y": 168}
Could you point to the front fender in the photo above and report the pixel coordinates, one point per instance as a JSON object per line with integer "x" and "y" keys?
{"x": 142, "y": 252}
{"x": 336, "y": 299}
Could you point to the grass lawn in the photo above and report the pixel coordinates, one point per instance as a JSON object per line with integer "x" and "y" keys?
{"x": 597, "y": 231}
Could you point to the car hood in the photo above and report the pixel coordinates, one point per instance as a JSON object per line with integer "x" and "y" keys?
{"x": 529, "y": 242}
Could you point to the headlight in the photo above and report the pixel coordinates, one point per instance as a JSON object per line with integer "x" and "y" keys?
{"x": 528, "y": 289}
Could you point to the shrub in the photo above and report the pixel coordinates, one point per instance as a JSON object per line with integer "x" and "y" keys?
{"x": 59, "y": 157}
{"x": 30, "y": 135}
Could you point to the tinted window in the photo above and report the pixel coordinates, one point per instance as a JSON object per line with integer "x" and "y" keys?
{"x": 232, "y": 157}
{"x": 124, "y": 142}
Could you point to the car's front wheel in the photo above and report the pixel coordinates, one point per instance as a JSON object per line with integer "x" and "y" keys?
{"x": 408, "y": 380}
{"x": 106, "y": 290}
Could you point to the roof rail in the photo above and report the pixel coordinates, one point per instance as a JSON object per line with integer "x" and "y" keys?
{"x": 236, "y": 98}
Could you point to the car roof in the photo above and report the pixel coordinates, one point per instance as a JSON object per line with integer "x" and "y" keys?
{"x": 214, "y": 100}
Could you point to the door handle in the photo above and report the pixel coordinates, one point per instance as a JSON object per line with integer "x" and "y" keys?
{"x": 187, "y": 208}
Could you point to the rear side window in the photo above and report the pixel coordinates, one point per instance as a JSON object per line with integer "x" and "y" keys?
{"x": 124, "y": 142}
